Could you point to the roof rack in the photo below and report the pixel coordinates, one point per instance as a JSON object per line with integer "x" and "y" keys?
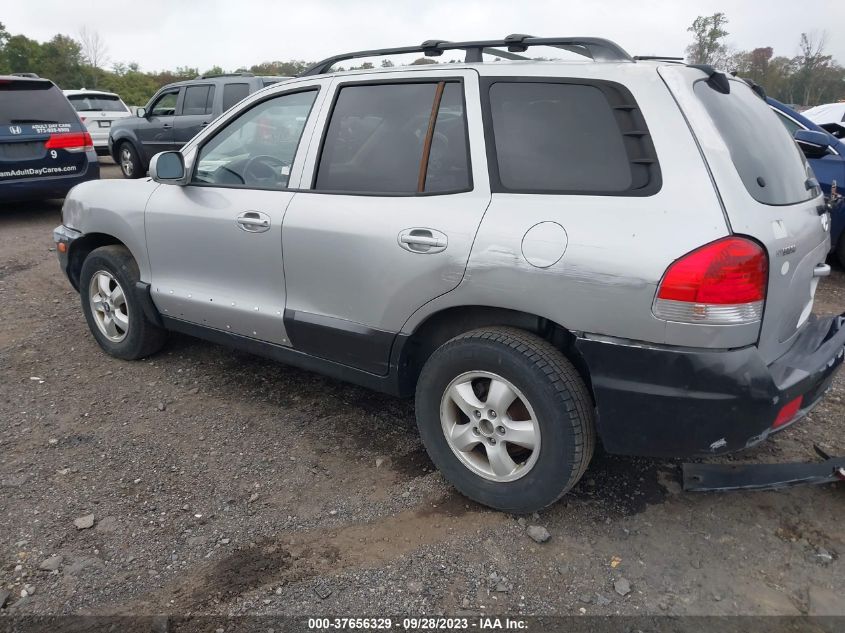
{"x": 244, "y": 74}
{"x": 660, "y": 58}
{"x": 595, "y": 48}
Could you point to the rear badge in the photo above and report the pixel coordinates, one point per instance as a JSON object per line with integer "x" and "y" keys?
{"x": 787, "y": 250}
{"x": 15, "y": 129}
{"x": 825, "y": 218}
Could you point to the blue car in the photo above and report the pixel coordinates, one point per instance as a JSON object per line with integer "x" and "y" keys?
{"x": 826, "y": 155}
{"x": 44, "y": 148}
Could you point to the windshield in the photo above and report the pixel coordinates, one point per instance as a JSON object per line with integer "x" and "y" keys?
{"x": 769, "y": 162}
{"x": 33, "y": 102}
{"x": 97, "y": 103}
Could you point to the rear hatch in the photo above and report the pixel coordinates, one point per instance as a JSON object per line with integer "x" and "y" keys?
{"x": 40, "y": 134}
{"x": 98, "y": 110}
{"x": 767, "y": 190}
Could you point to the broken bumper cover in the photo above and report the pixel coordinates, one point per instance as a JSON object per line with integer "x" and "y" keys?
{"x": 725, "y": 477}
{"x": 674, "y": 402}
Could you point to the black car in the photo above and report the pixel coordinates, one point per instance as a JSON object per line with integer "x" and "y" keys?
{"x": 44, "y": 148}
{"x": 175, "y": 114}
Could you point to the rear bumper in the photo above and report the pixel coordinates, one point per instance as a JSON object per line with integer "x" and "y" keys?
{"x": 675, "y": 402}
{"x": 43, "y": 188}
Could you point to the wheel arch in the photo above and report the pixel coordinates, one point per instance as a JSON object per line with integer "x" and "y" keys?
{"x": 445, "y": 324}
{"x": 81, "y": 247}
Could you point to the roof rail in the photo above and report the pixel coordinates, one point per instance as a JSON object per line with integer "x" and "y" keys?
{"x": 26, "y": 75}
{"x": 659, "y": 58}
{"x": 595, "y": 48}
{"x": 213, "y": 76}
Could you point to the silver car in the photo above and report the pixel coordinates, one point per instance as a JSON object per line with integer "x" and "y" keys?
{"x": 542, "y": 253}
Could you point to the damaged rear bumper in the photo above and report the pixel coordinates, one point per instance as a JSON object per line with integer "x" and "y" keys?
{"x": 675, "y": 402}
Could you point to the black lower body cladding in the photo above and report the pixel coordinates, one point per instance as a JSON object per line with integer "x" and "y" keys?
{"x": 673, "y": 402}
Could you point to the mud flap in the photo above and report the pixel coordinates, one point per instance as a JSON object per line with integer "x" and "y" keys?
{"x": 725, "y": 477}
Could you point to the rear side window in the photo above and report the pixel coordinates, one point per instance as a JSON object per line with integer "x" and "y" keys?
{"x": 33, "y": 102}
{"x": 97, "y": 103}
{"x": 766, "y": 158}
{"x": 569, "y": 138}
{"x": 232, "y": 93}
{"x": 401, "y": 138}
{"x": 198, "y": 100}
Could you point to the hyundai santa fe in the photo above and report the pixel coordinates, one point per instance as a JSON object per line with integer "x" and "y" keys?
{"x": 543, "y": 253}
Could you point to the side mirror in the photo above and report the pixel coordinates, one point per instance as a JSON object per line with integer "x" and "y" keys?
{"x": 168, "y": 168}
{"x": 813, "y": 144}
{"x": 141, "y": 113}
{"x": 811, "y": 137}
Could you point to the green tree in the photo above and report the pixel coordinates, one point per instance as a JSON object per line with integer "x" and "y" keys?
{"x": 22, "y": 55}
{"x": 61, "y": 61}
{"x": 707, "y": 46}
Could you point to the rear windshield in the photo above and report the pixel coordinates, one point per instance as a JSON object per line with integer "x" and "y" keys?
{"x": 769, "y": 162}
{"x": 33, "y": 102}
{"x": 97, "y": 103}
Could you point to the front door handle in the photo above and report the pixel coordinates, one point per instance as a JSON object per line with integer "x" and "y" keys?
{"x": 253, "y": 221}
{"x": 422, "y": 240}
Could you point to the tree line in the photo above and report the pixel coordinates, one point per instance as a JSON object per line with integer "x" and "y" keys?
{"x": 808, "y": 78}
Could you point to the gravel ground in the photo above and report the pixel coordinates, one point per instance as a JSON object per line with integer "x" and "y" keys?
{"x": 221, "y": 483}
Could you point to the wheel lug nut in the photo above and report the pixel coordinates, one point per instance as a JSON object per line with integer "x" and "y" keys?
{"x": 476, "y": 431}
{"x": 492, "y": 414}
{"x": 477, "y": 415}
{"x": 500, "y": 430}
{"x": 491, "y": 441}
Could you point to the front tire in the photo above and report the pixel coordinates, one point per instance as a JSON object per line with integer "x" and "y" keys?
{"x": 506, "y": 418}
{"x": 112, "y": 305}
{"x": 840, "y": 249}
{"x": 129, "y": 161}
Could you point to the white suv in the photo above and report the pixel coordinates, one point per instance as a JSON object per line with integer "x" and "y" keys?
{"x": 98, "y": 110}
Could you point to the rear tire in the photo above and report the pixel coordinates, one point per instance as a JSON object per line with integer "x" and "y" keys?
{"x": 518, "y": 457}
{"x": 129, "y": 161}
{"x": 113, "y": 306}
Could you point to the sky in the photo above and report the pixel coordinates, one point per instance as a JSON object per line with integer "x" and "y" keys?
{"x": 164, "y": 34}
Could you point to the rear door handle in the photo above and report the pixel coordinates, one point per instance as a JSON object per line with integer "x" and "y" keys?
{"x": 204, "y": 123}
{"x": 821, "y": 270}
{"x": 166, "y": 126}
{"x": 422, "y": 240}
{"x": 253, "y": 221}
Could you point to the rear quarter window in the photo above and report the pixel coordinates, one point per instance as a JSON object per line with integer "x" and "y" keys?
{"x": 772, "y": 168}
{"x": 568, "y": 137}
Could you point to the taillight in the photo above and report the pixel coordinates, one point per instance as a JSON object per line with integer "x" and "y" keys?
{"x": 70, "y": 141}
{"x": 721, "y": 283}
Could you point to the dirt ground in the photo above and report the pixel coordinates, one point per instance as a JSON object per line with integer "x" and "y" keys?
{"x": 226, "y": 484}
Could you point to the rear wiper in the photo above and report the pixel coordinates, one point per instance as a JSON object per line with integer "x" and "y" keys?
{"x": 31, "y": 121}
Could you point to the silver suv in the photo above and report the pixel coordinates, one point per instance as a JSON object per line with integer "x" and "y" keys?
{"x": 543, "y": 253}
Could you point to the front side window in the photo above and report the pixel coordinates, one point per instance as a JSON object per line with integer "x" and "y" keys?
{"x": 198, "y": 100}
{"x": 396, "y": 138}
{"x": 258, "y": 147}
{"x": 791, "y": 126}
{"x": 558, "y": 138}
{"x": 165, "y": 105}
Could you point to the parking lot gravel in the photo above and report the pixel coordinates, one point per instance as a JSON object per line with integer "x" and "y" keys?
{"x": 207, "y": 481}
